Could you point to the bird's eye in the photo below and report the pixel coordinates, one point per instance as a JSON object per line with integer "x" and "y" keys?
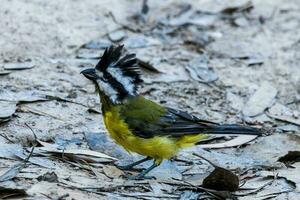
{"x": 106, "y": 77}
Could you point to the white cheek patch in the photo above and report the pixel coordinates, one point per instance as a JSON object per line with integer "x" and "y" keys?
{"x": 99, "y": 73}
{"x": 126, "y": 81}
{"x": 108, "y": 90}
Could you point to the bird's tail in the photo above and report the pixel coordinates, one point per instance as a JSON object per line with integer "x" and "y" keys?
{"x": 216, "y": 129}
{"x": 232, "y": 129}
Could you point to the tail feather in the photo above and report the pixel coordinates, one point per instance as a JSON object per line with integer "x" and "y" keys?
{"x": 233, "y": 129}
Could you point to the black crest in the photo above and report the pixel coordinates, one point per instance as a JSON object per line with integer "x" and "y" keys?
{"x": 116, "y": 57}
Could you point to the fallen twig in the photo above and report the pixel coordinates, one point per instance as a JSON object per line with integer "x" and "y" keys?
{"x": 124, "y": 26}
{"x": 35, "y": 137}
{"x": 211, "y": 163}
{"x": 6, "y": 137}
{"x": 213, "y": 193}
{"x": 15, "y": 169}
{"x": 38, "y": 112}
{"x": 258, "y": 189}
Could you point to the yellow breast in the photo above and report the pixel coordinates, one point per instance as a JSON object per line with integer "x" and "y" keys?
{"x": 156, "y": 147}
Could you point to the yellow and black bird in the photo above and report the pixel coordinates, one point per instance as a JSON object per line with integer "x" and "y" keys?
{"x": 141, "y": 125}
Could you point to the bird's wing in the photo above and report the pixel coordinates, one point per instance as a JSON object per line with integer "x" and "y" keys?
{"x": 182, "y": 123}
{"x": 147, "y": 119}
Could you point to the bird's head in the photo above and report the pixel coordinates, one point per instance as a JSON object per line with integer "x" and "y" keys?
{"x": 117, "y": 74}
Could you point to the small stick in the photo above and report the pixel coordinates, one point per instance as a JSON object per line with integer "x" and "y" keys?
{"x": 214, "y": 165}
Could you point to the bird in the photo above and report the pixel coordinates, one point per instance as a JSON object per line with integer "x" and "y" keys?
{"x": 141, "y": 125}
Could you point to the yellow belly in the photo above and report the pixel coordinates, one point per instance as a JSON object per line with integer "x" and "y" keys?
{"x": 157, "y": 147}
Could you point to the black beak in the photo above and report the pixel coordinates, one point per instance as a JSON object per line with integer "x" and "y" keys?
{"x": 90, "y": 73}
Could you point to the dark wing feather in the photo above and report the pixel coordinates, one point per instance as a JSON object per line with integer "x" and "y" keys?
{"x": 147, "y": 119}
{"x": 182, "y": 123}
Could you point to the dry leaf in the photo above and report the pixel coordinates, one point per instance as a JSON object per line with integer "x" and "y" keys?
{"x": 140, "y": 41}
{"x": 169, "y": 73}
{"x": 11, "y": 172}
{"x": 282, "y": 113}
{"x": 291, "y": 157}
{"x": 262, "y": 99}
{"x": 7, "y": 109}
{"x": 3, "y": 72}
{"x": 222, "y": 180}
{"x": 200, "y": 71}
{"x": 18, "y": 66}
{"x": 191, "y": 18}
{"x": 89, "y": 54}
{"x": 97, "y": 44}
{"x": 166, "y": 171}
{"x": 77, "y": 154}
{"x": 116, "y": 36}
{"x": 255, "y": 59}
{"x": 112, "y": 171}
{"x": 146, "y": 65}
{"x": 9, "y": 193}
{"x": 15, "y": 169}
{"x": 9, "y": 151}
{"x": 49, "y": 177}
{"x": 244, "y": 7}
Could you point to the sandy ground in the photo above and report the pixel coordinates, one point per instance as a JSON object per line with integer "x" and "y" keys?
{"x": 249, "y": 52}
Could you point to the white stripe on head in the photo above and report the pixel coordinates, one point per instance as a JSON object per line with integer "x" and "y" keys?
{"x": 99, "y": 73}
{"x": 126, "y": 81}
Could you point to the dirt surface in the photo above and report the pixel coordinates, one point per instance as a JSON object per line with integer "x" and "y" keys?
{"x": 225, "y": 61}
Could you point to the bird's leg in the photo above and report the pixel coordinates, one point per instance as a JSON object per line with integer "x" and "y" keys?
{"x": 146, "y": 171}
{"x": 130, "y": 166}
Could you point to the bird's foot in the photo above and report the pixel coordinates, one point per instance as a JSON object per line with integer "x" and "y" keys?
{"x": 130, "y": 166}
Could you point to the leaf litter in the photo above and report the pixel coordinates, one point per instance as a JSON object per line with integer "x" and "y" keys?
{"x": 283, "y": 113}
{"x": 19, "y": 66}
{"x": 7, "y": 109}
{"x": 262, "y": 99}
{"x": 4, "y": 72}
{"x": 200, "y": 71}
{"x": 290, "y": 157}
{"x": 178, "y": 45}
{"x": 14, "y": 170}
{"x": 74, "y": 154}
